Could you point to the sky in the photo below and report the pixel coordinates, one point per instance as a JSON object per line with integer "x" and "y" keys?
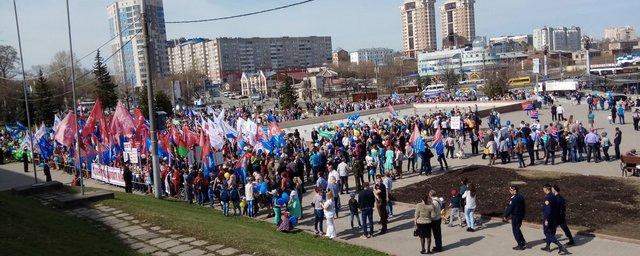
{"x": 352, "y": 24}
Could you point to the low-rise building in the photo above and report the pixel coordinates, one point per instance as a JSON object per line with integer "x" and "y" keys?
{"x": 521, "y": 43}
{"x": 376, "y": 56}
{"x": 340, "y": 56}
{"x": 465, "y": 60}
{"x": 257, "y": 83}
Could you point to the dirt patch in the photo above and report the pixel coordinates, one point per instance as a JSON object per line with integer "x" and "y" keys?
{"x": 594, "y": 202}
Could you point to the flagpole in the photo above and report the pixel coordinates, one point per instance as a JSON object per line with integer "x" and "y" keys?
{"x": 155, "y": 163}
{"x": 75, "y": 107}
{"x": 26, "y": 99}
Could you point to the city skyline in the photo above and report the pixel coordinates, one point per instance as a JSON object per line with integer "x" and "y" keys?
{"x": 90, "y": 27}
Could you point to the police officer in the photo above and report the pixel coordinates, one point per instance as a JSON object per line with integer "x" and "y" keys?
{"x": 550, "y": 220}
{"x": 562, "y": 215}
{"x": 516, "y": 210}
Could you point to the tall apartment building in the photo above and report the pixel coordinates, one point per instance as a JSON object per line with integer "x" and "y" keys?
{"x": 626, "y": 33}
{"x": 225, "y": 59}
{"x": 458, "y": 23}
{"x": 131, "y": 62}
{"x": 557, "y": 39}
{"x": 189, "y": 55}
{"x": 376, "y": 56}
{"x": 418, "y": 26}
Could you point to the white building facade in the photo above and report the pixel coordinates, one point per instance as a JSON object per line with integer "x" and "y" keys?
{"x": 557, "y": 39}
{"x": 626, "y": 33}
{"x": 377, "y": 56}
{"x": 256, "y": 83}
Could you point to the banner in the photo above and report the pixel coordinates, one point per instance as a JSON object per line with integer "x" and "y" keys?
{"x": 107, "y": 174}
{"x": 455, "y": 123}
{"x": 130, "y": 153}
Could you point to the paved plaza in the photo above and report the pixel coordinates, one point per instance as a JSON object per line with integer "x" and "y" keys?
{"x": 493, "y": 238}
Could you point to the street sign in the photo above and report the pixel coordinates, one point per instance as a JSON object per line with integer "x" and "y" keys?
{"x": 536, "y": 66}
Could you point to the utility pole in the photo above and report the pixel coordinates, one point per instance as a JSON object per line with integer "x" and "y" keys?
{"x": 546, "y": 73}
{"x": 124, "y": 66}
{"x": 24, "y": 88}
{"x": 152, "y": 119}
{"x": 75, "y": 107}
{"x": 561, "y": 67}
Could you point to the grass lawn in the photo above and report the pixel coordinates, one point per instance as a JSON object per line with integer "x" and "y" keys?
{"x": 242, "y": 233}
{"x": 29, "y": 228}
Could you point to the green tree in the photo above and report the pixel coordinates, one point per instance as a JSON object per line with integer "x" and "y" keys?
{"x": 450, "y": 79}
{"x": 163, "y": 102}
{"x": 43, "y": 105}
{"x": 287, "y": 94}
{"x": 423, "y": 81}
{"x": 496, "y": 84}
{"x": 143, "y": 102}
{"x": 105, "y": 88}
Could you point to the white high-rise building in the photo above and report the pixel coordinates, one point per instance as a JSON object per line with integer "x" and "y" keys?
{"x": 130, "y": 62}
{"x": 626, "y": 33}
{"x": 418, "y": 26}
{"x": 557, "y": 39}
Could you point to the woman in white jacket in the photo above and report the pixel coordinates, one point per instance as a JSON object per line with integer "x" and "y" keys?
{"x": 329, "y": 214}
{"x": 470, "y": 207}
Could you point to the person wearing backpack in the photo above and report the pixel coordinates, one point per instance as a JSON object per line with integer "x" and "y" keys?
{"x": 224, "y": 198}
{"x": 551, "y": 147}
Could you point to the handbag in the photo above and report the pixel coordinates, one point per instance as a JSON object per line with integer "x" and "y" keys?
{"x": 415, "y": 231}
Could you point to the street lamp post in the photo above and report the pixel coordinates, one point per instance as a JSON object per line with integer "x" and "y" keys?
{"x": 24, "y": 88}
{"x": 75, "y": 107}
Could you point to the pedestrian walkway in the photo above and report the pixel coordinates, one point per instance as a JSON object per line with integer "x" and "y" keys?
{"x": 146, "y": 238}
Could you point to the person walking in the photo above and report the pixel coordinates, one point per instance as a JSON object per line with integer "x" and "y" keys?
{"x": 330, "y": 213}
{"x": 549, "y": 224}
{"x": 617, "y": 139}
{"x": 423, "y": 216}
{"x": 470, "y": 206}
{"x": 354, "y": 210}
{"x": 636, "y": 120}
{"x": 620, "y": 112}
{"x": 516, "y": 211}
{"x": 562, "y": 215}
{"x": 436, "y": 221}
{"x": 366, "y": 200}
{"x": 318, "y": 211}
{"x": 380, "y": 191}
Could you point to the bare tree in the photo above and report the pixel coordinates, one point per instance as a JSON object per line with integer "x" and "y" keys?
{"x": 8, "y": 60}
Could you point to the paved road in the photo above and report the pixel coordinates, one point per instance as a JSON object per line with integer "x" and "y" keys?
{"x": 493, "y": 239}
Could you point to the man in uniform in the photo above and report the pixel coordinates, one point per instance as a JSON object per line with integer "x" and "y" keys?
{"x": 562, "y": 215}
{"x": 516, "y": 210}
{"x": 550, "y": 216}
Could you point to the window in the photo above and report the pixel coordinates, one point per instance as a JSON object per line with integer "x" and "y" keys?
{"x": 409, "y": 17}
{"x": 410, "y": 28}
{"x": 411, "y": 46}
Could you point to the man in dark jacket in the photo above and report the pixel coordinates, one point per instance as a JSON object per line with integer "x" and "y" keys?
{"x": 367, "y": 199}
{"x": 128, "y": 178}
{"x": 550, "y": 220}
{"x": 562, "y": 215}
{"x": 25, "y": 160}
{"x": 516, "y": 211}
{"x": 616, "y": 142}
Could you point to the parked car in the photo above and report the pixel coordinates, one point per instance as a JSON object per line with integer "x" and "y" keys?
{"x": 256, "y": 97}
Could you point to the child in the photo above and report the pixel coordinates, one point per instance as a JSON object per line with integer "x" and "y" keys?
{"x": 353, "y": 209}
{"x": 243, "y": 206}
{"x": 610, "y": 118}
{"x": 454, "y": 203}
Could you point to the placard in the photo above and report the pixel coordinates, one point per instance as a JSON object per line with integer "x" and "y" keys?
{"x": 455, "y": 123}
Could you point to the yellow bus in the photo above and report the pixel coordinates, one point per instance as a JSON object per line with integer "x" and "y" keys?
{"x": 522, "y": 81}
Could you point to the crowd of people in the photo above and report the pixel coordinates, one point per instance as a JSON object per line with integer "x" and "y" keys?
{"x": 246, "y": 165}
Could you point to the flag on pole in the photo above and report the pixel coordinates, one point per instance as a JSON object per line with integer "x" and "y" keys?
{"x": 438, "y": 142}
{"x": 122, "y": 122}
{"x": 181, "y": 145}
{"x": 415, "y": 134}
{"x": 527, "y": 105}
{"x": 65, "y": 134}
{"x": 533, "y": 114}
{"x": 392, "y": 111}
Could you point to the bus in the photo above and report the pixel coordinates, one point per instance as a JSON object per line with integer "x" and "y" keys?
{"x": 522, "y": 81}
{"x": 477, "y": 83}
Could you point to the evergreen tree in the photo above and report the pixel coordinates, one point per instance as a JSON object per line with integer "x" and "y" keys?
{"x": 163, "y": 102}
{"x": 43, "y": 106}
{"x": 105, "y": 88}
{"x": 143, "y": 100}
{"x": 287, "y": 94}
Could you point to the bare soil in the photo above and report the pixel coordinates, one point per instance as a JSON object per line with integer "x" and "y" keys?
{"x": 596, "y": 203}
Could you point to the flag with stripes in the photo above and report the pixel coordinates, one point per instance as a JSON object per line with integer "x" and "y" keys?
{"x": 533, "y": 114}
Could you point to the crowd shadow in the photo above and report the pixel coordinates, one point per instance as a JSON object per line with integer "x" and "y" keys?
{"x": 463, "y": 242}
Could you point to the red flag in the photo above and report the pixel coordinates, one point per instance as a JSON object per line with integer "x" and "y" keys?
{"x": 138, "y": 118}
{"x": 274, "y": 129}
{"x": 204, "y": 144}
{"x": 190, "y": 138}
{"x": 96, "y": 114}
{"x": 65, "y": 134}
{"x": 122, "y": 122}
